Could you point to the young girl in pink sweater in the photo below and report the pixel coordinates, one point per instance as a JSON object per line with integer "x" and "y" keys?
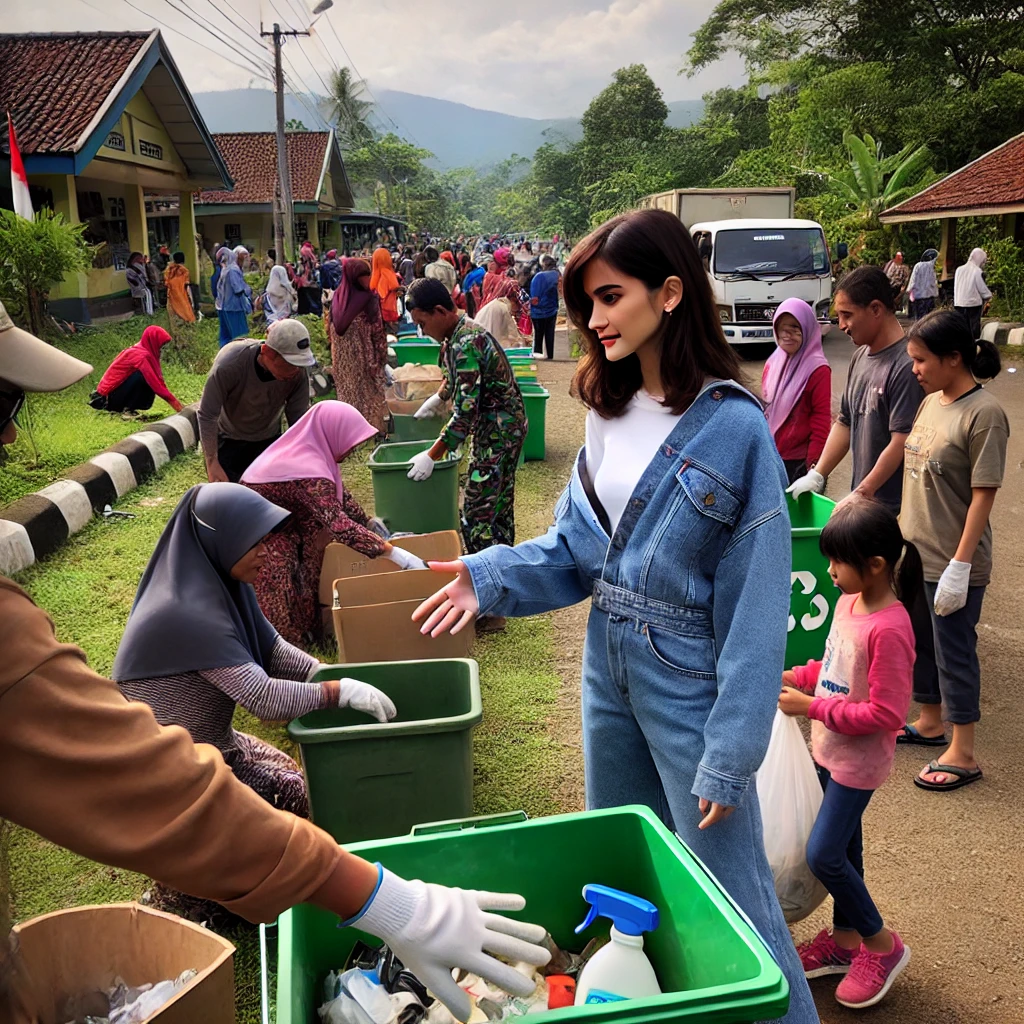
{"x": 861, "y": 694}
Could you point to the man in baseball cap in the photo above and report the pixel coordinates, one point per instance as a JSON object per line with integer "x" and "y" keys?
{"x": 290, "y": 339}
{"x": 29, "y": 364}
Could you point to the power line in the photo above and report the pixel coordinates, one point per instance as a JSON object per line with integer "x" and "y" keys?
{"x": 194, "y": 17}
{"x": 225, "y": 13}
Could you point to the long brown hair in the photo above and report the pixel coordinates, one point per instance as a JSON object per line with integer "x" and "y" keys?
{"x": 651, "y": 245}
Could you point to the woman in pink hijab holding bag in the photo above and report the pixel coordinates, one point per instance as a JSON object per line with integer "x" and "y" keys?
{"x": 301, "y": 472}
{"x": 797, "y": 388}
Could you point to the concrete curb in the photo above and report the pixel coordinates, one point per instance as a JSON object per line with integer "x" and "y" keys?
{"x": 1003, "y": 333}
{"x": 36, "y": 525}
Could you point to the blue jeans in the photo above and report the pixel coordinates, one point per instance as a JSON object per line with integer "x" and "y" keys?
{"x": 835, "y": 853}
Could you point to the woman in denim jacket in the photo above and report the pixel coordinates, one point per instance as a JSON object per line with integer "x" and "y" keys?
{"x": 674, "y": 523}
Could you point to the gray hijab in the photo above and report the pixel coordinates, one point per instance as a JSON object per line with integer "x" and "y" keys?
{"x": 189, "y": 614}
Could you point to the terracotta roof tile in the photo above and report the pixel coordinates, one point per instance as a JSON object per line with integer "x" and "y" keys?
{"x": 252, "y": 163}
{"x": 54, "y": 84}
{"x": 995, "y": 179}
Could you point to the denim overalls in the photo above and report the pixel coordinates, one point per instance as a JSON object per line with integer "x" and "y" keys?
{"x": 684, "y": 652}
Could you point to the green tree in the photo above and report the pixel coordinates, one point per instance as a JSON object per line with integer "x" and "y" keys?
{"x": 293, "y": 124}
{"x": 349, "y": 110}
{"x": 37, "y": 254}
{"x": 631, "y": 109}
{"x": 390, "y": 169}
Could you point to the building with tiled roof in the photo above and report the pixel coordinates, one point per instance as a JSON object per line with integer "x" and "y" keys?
{"x": 991, "y": 186}
{"x": 321, "y": 192}
{"x": 111, "y": 138}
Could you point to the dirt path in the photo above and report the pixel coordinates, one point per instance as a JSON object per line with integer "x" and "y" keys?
{"x": 944, "y": 868}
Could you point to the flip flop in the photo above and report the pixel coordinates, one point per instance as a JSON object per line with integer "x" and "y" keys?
{"x": 961, "y": 776}
{"x": 908, "y": 734}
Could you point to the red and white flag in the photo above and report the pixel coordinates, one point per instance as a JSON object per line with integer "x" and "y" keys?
{"x": 19, "y": 180}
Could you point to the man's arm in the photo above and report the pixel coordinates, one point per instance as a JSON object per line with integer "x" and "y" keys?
{"x": 298, "y": 400}
{"x": 208, "y": 415}
{"x": 836, "y": 447}
{"x": 889, "y": 461}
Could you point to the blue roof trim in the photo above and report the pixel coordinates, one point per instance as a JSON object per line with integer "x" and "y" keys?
{"x": 45, "y": 163}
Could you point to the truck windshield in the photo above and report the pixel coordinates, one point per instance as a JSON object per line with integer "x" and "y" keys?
{"x": 770, "y": 251}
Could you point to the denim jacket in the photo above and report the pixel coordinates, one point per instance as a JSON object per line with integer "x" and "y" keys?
{"x": 700, "y": 562}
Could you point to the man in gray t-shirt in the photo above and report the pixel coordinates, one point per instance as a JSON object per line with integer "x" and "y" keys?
{"x": 881, "y": 398}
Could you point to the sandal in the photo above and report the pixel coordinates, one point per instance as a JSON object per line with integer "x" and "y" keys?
{"x": 961, "y": 776}
{"x": 909, "y": 734}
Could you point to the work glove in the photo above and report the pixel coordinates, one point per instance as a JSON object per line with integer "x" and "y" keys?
{"x": 422, "y": 466}
{"x": 432, "y": 929}
{"x": 431, "y": 407}
{"x": 364, "y": 697}
{"x": 951, "y": 592}
{"x": 811, "y": 481}
{"x": 378, "y": 526}
{"x": 405, "y": 559}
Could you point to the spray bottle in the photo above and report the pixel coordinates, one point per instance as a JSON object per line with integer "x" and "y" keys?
{"x": 621, "y": 969}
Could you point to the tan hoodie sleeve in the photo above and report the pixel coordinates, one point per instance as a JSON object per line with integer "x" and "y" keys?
{"x": 87, "y": 769}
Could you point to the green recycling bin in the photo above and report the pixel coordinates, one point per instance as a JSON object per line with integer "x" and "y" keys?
{"x": 535, "y": 398}
{"x": 410, "y": 507}
{"x": 424, "y": 352}
{"x": 813, "y": 596}
{"x": 367, "y": 779}
{"x": 407, "y": 428}
{"x": 712, "y": 966}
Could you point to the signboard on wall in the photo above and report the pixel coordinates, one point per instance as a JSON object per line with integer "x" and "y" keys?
{"x": 151, "y": 150}
{"x": 115, "y": 140}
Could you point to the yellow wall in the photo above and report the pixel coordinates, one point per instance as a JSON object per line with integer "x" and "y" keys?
{"x": 140, "y": 126}
{"x": 257, "y": 229}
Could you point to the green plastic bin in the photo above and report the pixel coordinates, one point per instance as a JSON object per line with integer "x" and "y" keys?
{"x": 423, "y": 352}
{"x": 523, "y": 368}
{"x": 410, "y": 507}
{"x": 710, "y": 962}
{"x": 407, "y": 428}
{"x": 366, "y": 779}
{"x": 535, "y": 398}
{"x": 526, "y": 350}
{"x": 814, "y": 595}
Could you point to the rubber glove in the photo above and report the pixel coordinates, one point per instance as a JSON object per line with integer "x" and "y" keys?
{"x": 811, "y": 481}
{"x": 951, "y": 591}
{"x": 430, "y": 407}
{"x": 432, "y": 929}
{"x": 405, "y": 559}
{"x": 364, "y": 697}
{"x": 422, "y": 467}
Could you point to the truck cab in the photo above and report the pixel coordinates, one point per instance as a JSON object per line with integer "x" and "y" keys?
{"x": 754, "y": 264}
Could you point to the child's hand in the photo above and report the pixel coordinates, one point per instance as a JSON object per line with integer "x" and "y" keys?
{"x": 794, "y": 702}
{"x": 789, "y": 677}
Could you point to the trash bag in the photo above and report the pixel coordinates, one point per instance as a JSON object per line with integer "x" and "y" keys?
{"x": 790, "y": 796}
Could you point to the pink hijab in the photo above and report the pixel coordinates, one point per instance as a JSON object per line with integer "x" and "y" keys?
{"x": 312, "y": 447}
{"x": 786, "y": 377}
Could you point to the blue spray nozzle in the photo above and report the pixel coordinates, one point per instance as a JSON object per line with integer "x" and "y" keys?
{"x": 631, "y": 915}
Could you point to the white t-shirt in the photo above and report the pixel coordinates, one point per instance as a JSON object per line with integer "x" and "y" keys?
{"x": 969, "y": 288}
{"x": 620, "y": 449}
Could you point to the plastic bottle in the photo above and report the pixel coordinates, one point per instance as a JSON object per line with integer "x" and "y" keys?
{"x": 621, "y": 969}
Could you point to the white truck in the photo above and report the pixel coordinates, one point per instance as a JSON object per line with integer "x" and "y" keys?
{"x": 755, "y": 254}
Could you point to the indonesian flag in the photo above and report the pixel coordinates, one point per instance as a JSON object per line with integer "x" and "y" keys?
{"x": 19, "y": 180}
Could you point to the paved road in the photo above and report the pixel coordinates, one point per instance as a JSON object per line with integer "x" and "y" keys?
{"x": 946, "y": 869}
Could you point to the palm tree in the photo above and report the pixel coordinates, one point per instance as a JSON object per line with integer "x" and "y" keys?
{"x": 349, "y": 111}
{"x": 874, "y": 182}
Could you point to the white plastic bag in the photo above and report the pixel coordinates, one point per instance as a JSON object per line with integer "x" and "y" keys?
{"x": 790, "y": 796}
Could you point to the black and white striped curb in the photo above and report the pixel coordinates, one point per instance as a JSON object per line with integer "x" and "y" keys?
{"x": 1002, "y": 333}
{"x": 36, "y": 525}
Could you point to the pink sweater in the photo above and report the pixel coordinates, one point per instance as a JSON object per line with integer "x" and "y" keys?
{"x": 861, "y": 692}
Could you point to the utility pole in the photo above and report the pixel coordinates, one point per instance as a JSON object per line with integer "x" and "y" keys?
{"x": 286, "y": 244}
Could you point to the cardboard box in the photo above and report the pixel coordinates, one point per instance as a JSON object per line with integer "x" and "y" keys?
{"x": 373, "y": 618}
{"x": 73, "y": 956}
{"x": 342, "y": 562}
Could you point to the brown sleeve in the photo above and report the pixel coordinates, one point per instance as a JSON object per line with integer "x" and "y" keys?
{"x": 86, "y": 769}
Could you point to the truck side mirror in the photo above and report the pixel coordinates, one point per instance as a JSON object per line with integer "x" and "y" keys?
{"x": 842, "y": 250}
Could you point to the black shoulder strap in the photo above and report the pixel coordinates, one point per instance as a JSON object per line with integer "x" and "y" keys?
{"x": 591, "y": 493}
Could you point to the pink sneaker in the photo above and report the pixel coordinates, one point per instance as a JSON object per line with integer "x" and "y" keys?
{"x": 822, "y": 955}
{"x": 871, "y": 975}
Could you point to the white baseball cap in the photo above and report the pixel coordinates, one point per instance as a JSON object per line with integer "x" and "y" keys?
{"x": 290, "y": 340}
{"x": 31, "y": 364}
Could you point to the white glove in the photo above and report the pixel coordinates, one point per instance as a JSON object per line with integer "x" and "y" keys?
{"x": 422, "y": 467}
{"x": 433, "y": 929}
{"x": 405, "y": 559}
{"x": 951, "y": 592}
{"x": 429, "y": 408}
{"x": 364, "y": 697}
{"x": 812, "y": 481}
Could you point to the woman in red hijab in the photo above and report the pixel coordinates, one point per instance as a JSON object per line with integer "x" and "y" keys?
{"x": 498, "y": 285}
{"x": 135, "y": 377}
{"x": 359, "y": 345}
{"x": 384, "y": 281}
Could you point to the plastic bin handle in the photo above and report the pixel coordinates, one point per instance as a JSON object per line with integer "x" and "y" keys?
{"x": 264, "y": 975}
{"x": 462, "y": 824}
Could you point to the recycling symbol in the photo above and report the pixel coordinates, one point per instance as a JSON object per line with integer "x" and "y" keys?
{"x": 819, "y": 610}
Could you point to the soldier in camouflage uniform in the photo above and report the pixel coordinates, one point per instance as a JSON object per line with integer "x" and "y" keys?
{"x": 487, "y": 404}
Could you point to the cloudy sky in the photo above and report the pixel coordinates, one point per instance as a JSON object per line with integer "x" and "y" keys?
{"x": 536, "y": 58}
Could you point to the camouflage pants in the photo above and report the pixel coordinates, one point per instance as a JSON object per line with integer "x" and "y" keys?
{"x": 488, "y": 508}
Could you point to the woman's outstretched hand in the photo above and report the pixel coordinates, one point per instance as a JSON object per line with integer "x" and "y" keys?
{"x": 452, "y": 608}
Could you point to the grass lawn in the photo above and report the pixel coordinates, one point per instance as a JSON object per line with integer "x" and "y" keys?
{"x": 88, "y": 587}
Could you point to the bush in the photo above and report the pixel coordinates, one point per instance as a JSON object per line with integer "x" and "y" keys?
{"x": 1004, "y": 274}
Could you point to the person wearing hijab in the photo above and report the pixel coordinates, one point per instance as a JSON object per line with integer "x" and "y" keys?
{"x": 497, "y": 283}
{"x": 301, "y": 473}
{"x": 219, "y": 259}
{"x": 496, "y": 319}
{"x": 330, "y": 271}
{"x": 923, "y": 288}
{"x": 359, "y": 345}
{"x": 138, "y": 283}
{"x": 439, "y": 269}
{"x": 279, "y": 299}
{"x": 135, "y": 377}
{"x": 309, "y": 281}
{"x": 970, "y": 293}
{"x": 179, "y": 298}
{"x": 154, "y": 278}
{"x": 234, "y": 296}
{"x": 797, "y": 388}
{"x": 384, "y": 281}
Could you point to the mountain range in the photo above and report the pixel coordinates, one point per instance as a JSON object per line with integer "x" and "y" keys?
{"x": 457, "y": 134}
